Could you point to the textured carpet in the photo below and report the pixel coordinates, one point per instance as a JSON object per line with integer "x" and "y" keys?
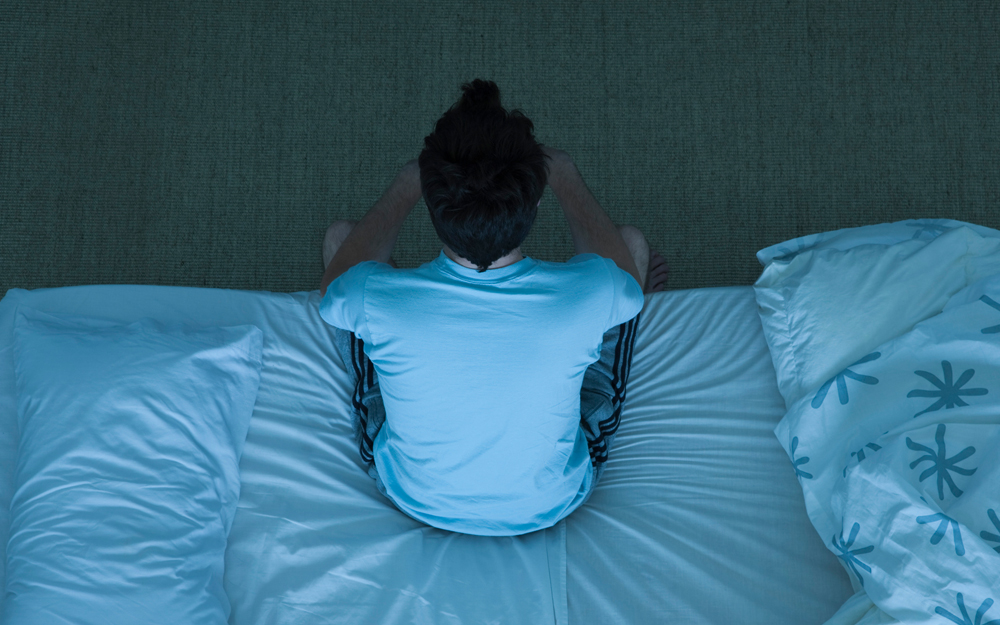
{"x": 210, "y": 144}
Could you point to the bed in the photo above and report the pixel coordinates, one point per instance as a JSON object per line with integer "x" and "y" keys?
{"x": 699, "y": 518}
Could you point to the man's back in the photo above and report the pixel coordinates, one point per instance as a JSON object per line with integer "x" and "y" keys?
{"x": 480, "y": 374}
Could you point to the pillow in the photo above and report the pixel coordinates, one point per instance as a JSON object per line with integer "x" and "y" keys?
{"x": 868, "y": 284}
{"x": 878, "y": 234}
{"x": 127, "y": 475}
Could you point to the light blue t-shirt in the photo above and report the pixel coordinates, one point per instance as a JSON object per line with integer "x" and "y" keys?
{"x": 480, "y": 374}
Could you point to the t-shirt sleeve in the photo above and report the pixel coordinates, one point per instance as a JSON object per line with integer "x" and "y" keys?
{"x": 628, "y": 298}
{"x": 343, "y": 306}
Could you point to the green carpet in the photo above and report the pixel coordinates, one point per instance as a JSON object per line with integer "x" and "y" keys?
{"x": 210, "y": 144}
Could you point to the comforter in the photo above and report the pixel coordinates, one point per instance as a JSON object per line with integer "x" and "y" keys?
{"x": 898, "y": 452}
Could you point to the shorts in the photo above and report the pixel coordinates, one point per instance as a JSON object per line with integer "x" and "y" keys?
{"x": 602, "y": 396}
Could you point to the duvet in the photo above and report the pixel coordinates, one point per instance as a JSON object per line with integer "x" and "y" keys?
{"x": 898, "y": 453}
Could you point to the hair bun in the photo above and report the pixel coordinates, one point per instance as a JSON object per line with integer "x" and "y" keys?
{"x": 480, "y": 95}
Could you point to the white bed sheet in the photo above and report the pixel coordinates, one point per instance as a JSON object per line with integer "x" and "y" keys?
{"x": 698, "y": 518}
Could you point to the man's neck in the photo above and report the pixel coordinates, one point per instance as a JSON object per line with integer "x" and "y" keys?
{"x": 509, "y": 259}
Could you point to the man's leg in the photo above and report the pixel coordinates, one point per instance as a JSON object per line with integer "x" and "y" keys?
{"x": 602, "y": 396}
{"x": 335, "y": 235}
{"x": 367, "y": 408}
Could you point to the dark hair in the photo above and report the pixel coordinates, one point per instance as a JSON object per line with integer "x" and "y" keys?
{"x": 482, "y": 174}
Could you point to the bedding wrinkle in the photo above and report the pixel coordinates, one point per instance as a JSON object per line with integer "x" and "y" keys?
{"x": 356, "y": 579}
{"x": 279, "y": 518}
{"x": 299, "y": 608}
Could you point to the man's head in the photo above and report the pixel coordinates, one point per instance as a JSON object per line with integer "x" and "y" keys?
{"x": 482, "y": 174}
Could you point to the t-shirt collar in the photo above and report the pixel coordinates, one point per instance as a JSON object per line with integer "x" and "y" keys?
{"x": 448, "y": 266}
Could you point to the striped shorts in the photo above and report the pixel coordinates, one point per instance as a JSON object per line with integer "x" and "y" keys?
{"x": 602, "y": 396}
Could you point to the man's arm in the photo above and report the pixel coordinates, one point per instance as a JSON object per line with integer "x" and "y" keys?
{"x": 374, "y": 237}
{"x": 592, "y": 229}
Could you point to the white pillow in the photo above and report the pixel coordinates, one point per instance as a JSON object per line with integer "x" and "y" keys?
{"x": 127, "y": 475}
{"x": 867, "y": 284}
{"x": 877, "y": 234}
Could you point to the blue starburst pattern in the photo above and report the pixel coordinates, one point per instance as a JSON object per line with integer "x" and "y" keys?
{"x": 940, "y": 463}
{"x": 842, "y": 382}
{"x": 992, "y": 329}
{"x": 990, "y": 536}
{"x": 965, "y": 620}
{"x": 942, "y": 529}
{"x": 850, "y": 556}
{"x": 861, "y": 453}
{"x": 947, "y": 391}
{"x": 799, "y": 472}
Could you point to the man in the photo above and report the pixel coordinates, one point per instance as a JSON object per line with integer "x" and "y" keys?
{"x": 488, "y": 386}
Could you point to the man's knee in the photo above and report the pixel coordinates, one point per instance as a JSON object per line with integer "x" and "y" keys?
{"x": 335, "y": 235}
{"x": 637, "y": 246}
{"x": 633, "y": 236}
{"x": 338, "y": 231}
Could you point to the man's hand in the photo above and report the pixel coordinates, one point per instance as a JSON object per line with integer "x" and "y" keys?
{"x": 412, "y": 172}
{"x": 558, "y": 160}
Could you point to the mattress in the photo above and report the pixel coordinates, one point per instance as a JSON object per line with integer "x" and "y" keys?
{"x": 697, "y": 519}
